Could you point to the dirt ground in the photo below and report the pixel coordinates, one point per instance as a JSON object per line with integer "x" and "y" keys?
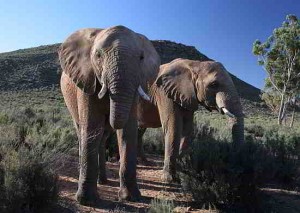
{"x": 148, "y": 180}
{"x": 151, "y": 187}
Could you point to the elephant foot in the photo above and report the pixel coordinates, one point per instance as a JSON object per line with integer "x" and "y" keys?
{"x": 87, "y": 197}
{"x": 129, "y": 195}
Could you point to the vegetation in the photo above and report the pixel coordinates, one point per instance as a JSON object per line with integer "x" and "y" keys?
{"x": 32, "y": 144}
{"x": 28, "y": 182}
{"x": 219, "y": 175}
{"x": 161, "y": 206}
{"x": 280, "y": 58}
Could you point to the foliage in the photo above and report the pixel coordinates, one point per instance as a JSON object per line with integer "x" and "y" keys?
{"x": 217, "y": 174}
{"x": 153, "y": 141}
{"x": 28, "y": 182}
{"x": 280, "y": 57}
{"x": 272, "y": 100}
{"x": 255, "y": 130}
{"x": 161, "y": 206}
{"x": 31, "y": 144}
{"x": 39, "y": 128}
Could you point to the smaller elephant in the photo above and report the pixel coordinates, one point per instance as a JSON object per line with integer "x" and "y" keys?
{"x": 180, "y": 87}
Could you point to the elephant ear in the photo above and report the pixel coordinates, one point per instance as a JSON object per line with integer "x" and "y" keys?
{"x": 178, "y": 86}
{"x": 150, "y": 62}
{"x": 75, "y": 59}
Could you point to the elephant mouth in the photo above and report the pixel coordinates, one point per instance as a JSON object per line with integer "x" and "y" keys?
{"x": 221, "y": 109}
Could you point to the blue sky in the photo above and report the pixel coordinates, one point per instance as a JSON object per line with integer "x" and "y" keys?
{"x": 223, "y": 30}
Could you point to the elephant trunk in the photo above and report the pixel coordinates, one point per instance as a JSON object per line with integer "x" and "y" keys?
{"x": 231, "y": 106}
{"x": 237, "y": 129}
{"x": 122, "y": 95}
{"x": 119, "y": 111}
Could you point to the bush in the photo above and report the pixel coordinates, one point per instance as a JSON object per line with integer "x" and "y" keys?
{"x": 255, "y": 130}
{"x": 3, "y": 118}
{"x": 161, "y": 206}
{"x": 153, "y": 141}
{"x": 219, "y": 175}
{"x": 27, "y": 183}
{"x": 46, "y": 129}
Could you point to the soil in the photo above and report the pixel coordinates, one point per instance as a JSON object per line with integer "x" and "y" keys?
{"x": 149, "y": 183}
{"x": 151, "y": 187}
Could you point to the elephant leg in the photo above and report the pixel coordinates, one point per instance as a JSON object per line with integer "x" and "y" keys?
{"x": 172, "y": 128}
{"x": 127, "y": 141}
{"x": 172, "y": 141}
{"x": 140, "y": 149}
{"x": 77, "y": 128}
{"x": 91, "y": 131}
{"x": 187, "y": 131}
{"x": 102, "y": 178}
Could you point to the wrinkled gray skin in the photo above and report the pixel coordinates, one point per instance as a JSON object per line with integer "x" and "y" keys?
{"x": 102, "y": 70}
{"x": 180, "y": 87}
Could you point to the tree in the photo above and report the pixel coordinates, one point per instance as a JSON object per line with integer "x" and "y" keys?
{"x": 272, "y": 100}
{"x": 293, "y": 104}
{"x": 280, "y": 58}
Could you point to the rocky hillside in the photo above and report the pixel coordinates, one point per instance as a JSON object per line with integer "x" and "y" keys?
{"x": 38, "y": 68}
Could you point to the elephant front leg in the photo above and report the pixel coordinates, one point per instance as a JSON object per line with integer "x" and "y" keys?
{"x": 172, "y": 131}
{"x": 91, "y": 128}
{"x": 127, "y": 141}
{"x": 87, "y": 185}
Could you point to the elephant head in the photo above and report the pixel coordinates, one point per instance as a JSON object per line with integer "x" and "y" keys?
{"x": 114, "y": 61}
{"x": 189, "y": 83}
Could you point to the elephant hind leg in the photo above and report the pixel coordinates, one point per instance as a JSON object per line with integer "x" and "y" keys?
{"x": 102, "y": 178}
{"x": 142, "y": 159}
{"x": 187, "y": 132}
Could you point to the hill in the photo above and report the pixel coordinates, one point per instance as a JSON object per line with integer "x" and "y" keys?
{"x": 38, "y": 67}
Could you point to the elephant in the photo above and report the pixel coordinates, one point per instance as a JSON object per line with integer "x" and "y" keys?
{"x": 105, "y": 72}
{"x": 180, "y": 87}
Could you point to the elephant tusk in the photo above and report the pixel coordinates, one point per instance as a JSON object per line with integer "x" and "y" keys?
{"x": 102, "y": 91}
{"x": 143, "y": 94}
{"x": 226, "y": 112}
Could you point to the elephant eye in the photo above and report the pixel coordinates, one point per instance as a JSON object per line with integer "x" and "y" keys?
{"x": 142, "y": 56}
{"x": 213, "y": 85}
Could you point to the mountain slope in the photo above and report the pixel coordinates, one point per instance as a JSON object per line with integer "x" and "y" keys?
{"x": 38, "y": 67}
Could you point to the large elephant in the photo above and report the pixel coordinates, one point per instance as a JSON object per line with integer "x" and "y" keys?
{"x": 180, "y": 87}
{"x": 103, "y": 71}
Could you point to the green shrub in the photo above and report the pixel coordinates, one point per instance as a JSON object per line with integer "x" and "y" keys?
{"x": 31, "y": 143}
{"x": 217, "y": 174}
{"x": 161, "y": 206}
{"x": 4, "y": 119}
{"x": 153, "y": 141}
{"x": 255, "y": 130}
{"x": 28, "y": 182}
